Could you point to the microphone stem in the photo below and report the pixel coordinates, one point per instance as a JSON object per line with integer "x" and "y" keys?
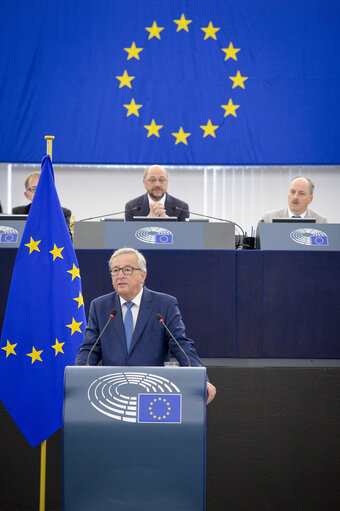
{"x": 136, "y": 208}
{"x": 216, "y": 218}
{"x": 180, "y": 347}
{"x": 99, "y": 216}
{"x": 95, "y": 344}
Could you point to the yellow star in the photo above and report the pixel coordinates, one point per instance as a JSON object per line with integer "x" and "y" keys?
{"x": 74, "y": 272}
{"x": 154, "y": 31}
{"x": 230, "y": 52}
{"x": 35, "y": 354}
{"x": 132, "y": 108}
{"x": 74, "y": 326}
{"x": 56, "y": 252}
{"x": 33, "y": 245}
{"x": 181, "y": 136}
{"x": 182, "y": 23}
{"x": 9, "y": 348}
{"x": 209, "y": 129}
{"x": 58, "y": 347}
{"x": 230, "y": 108}
{"x": 133, "y": 52}
{"x": 125, "y": 79}
{"x": 153, "y": 128}
{"x": 80, "y": 300}
{"x": 238, "y": 80}
{"x": 210, "y": 31}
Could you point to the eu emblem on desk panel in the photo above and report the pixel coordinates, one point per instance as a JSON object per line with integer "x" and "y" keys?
{"x": 7, "y": 236}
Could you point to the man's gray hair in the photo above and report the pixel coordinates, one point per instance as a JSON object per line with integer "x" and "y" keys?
{"x": 140, "y": 258}
{"x": 310, "y": 182}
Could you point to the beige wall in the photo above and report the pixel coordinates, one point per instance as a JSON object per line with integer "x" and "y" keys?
{"x": 240, "y": 194}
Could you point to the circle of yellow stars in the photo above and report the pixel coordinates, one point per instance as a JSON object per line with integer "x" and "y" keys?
{"x": 74, "y": 326}
{"x": 167, "y": 408}
{"x": 153, "y": 129}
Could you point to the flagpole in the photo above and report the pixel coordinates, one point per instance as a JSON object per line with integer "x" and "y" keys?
{"x": 49, "y": 140}
{"x": 42, "y": 475}
{"x": 43, "y": 447}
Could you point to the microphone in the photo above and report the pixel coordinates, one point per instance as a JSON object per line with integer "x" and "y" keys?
{"x": 112, "y": 315}
{"x": 136, "y": 208}
{"x": 161, "y": 320}
{"x": 176, "y": 208}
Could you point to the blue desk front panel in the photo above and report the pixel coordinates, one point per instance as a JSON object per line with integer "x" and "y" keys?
{"x": 246, "y": 304}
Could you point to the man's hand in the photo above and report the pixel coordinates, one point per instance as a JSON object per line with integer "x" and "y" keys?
{"x": 211, "y": 391}
{"x": 157, "y": 209}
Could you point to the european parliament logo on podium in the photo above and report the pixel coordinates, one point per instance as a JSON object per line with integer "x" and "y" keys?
{"x": 137, "y": 397}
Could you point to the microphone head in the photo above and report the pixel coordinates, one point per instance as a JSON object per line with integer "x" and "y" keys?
{"x": 113, "y": 313}
{"x": 159, "y": 318}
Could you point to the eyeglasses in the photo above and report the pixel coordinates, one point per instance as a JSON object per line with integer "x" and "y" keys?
{"x": 153, "y": 180}
{"x": 127, "y": 270}
{"x": 31, "y": 189}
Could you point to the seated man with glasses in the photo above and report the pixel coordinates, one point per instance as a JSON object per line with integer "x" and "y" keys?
{"x": 134, "y": 335}
{"x": 31, "y": 183}
{"x": 156, "y": 202}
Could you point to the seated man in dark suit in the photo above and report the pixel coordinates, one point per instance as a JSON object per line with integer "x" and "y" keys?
{"x": 156, "y": 202}
{"x": 31, "y": 183}
{"x": 300, "y": 195}
{"x": 134, "y": 337}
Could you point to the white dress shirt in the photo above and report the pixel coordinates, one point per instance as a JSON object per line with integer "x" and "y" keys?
{"x": 134, "y": 309}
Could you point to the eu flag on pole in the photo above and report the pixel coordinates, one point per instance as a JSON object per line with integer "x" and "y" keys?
{"x": 44, "y": 317}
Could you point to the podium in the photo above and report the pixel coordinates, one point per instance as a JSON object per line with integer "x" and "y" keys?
{"x": 134, "y": 439}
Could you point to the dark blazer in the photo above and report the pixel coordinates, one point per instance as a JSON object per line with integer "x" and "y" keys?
{"x": 150, "y": 346}
{"x": 24, "y": 210}
{"x": 142, "y": 203}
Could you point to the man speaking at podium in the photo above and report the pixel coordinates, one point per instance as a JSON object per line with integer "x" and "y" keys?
{"x": 134, "y": 326}
{"x": 156, "y": 202}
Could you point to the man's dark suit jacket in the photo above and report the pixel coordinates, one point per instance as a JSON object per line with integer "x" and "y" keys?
{"x": 150, "y": 345}
{"x": 24, "y": 210}
{"x": 142, "y": 203}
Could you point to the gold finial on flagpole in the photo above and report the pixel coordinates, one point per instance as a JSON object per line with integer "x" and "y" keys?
{"x": 49, "y": 139}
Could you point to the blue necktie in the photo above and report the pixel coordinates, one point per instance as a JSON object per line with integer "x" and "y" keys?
{"x": 128, "y": 324}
